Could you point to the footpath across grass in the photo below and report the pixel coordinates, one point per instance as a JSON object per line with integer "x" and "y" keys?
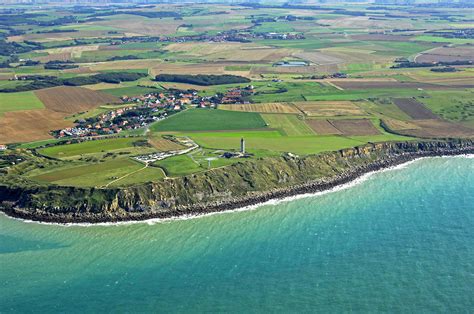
{"x": 210, "y": 120}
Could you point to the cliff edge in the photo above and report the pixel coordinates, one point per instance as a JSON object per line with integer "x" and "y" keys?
{"x": 241, "y": 184}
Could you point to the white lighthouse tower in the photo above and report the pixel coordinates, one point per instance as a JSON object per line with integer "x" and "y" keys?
{"x": 242, "y": 145}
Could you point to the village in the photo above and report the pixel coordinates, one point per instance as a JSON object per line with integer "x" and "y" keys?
{"x": 224, "y": 36}
{"x": 146, "y": 109}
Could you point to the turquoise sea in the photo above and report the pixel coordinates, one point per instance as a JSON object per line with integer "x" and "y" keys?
{"x": 401, "y": 240}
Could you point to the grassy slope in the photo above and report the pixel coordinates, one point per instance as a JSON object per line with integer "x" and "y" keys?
{"x": 100, "y": 174}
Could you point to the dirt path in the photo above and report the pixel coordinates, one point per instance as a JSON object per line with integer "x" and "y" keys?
{"x": 128, "y": 174}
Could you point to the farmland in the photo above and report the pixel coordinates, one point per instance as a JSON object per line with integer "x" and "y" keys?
{"x": 290, "y": 125}
{"x": 19, "y": 101}
{"x": 264, "y": 108}
{"x": 414, "y": 108}
{"x": 301, "y": 80}
{"x": 198, "y": 120}
{"x": 73, "y": 99}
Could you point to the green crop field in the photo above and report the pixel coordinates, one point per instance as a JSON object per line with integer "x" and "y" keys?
{"x": 19, "y": 101}
{"x": 210, "y": 119}
{"x": 292, "y": 91}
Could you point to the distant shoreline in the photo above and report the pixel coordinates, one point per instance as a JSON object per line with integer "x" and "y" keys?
{"x": 240, "y": 203}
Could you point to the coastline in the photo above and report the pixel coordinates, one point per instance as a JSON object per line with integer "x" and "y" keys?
{"x": 306, "y": 189}
{"x": 276, "y": 201}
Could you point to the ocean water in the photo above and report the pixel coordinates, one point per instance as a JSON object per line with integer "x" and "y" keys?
{"x": 400, "y": 241}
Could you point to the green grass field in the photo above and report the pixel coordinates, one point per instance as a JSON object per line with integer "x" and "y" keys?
{"x": 209, "y": 119}
{"x": 103, "y": 173}
{"x": 19, "y": 101}
{"x": 365, "y": 94}
{"x": 90, "y": 147}
{"x": 179, "y": 165}
{"x": 289, "y": 124}
{"x": 438, "y": 39}
{"x": 452, "y": 105}
{"x": 276, "y": 142}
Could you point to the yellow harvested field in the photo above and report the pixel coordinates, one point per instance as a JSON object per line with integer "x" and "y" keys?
{"x": 264, "y": 108}
{"x": 329, "y": 108}
{"x": 30, "y": 125}
{"x": 79, "y": 70}
{"x": 397, "y": 125}
{"x": 122, "y": 64}
{"x": 203, "y": 49}
{"x": 187, "y": 69}
{"x": 45, "y": 37}
{"x": 141, "y": 25}
{"x": 367, "y": 23}
{"x": 62, "y": 56}
{"x": 230, "y": 51}
{"x": 74, "y": 51}
{"x": 100, "y": 86}
{"x": 319, "y": 57}
{"x": 164, "y": 145}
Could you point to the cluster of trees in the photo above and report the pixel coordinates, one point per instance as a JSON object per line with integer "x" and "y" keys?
{"x": 52, "y": 81}
{"x": 148, "y": 14}
{"x": 202, "y": 79}
{"x": 446, "y": 69}
{"x": 127, "y": 57}
{"x": 19, "y": 19}
{"x": 30, "y": 19}
{"x": 53, "y": 31}
{"x": 60, "y": 65}
{"x": 10, "y": 48}
{"x": 409, "y": 64}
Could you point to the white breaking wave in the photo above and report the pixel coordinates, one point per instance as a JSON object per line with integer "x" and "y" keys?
{"x": 276, "y": 201}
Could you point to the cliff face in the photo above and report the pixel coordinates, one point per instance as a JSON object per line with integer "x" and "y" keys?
{"x": 234, "y": 186}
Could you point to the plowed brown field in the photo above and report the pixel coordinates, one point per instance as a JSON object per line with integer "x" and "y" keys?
{"x": 322, "y": 127}
{"x": 68, "y": 99}
{"x": 30, "y": 125}
{"x": 355, "y": 127}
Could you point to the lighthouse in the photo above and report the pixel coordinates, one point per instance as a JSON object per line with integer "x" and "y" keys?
{"x": 242, "y": 145}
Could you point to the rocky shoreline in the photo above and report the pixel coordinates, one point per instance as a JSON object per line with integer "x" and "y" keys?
{"x": 232, "y": 203}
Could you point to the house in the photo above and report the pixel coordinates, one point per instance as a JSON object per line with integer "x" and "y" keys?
{"x": 3, "y": 147}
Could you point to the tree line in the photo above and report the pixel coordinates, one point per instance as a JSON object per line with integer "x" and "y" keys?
{"x": 52, "y": 81}
{"x": 202, "y": 79}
